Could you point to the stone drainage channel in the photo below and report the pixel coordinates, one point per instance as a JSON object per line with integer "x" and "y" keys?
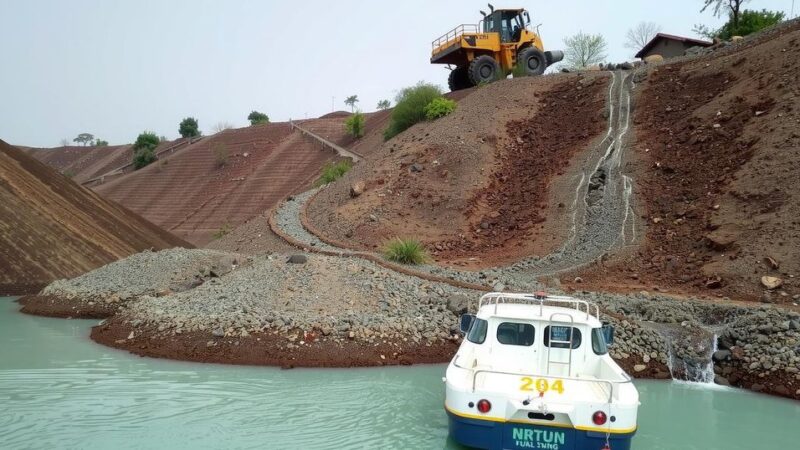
{"x": 603, "y": 218}
{"x": 604, "y": 221}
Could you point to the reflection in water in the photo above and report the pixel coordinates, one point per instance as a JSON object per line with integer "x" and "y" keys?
{"x": 58, "y": 389}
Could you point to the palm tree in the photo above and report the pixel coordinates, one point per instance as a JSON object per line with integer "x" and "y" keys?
{"x": 351, "y": 101}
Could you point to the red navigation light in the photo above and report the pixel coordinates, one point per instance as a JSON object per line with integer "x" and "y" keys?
{"x": 599, "y": 418}
{"x": 484, "y": 406}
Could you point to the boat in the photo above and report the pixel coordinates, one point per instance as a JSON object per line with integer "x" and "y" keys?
{"x": 533, "y": 372}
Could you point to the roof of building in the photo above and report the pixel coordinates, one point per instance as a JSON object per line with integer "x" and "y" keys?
{"x": 671, "y": 37}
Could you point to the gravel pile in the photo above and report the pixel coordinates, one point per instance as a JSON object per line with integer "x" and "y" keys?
{"x": 145, "y": 273}
{"x": 323, "y": 298}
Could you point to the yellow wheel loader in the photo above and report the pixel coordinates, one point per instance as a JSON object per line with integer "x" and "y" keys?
{"x": 491, "y": 49}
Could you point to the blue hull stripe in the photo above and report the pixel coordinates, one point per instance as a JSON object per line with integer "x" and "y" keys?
{"x": 486, "y": 434}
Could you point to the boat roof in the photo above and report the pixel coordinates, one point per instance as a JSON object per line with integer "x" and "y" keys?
{"x": 530, "y": 312}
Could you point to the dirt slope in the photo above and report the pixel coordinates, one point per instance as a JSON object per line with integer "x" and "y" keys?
{"x": 52, "y": 228}
{"x": 193, "y": 194}
{"x": 717, "y": 164}
{"x": 472, "y": 186}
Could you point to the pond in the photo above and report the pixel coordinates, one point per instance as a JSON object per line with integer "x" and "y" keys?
{"x": 58, "y": 389}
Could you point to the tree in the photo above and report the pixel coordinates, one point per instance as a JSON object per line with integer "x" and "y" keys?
{"x": 144, "y": 149}
{"x": 641, "y": 34}
{"x": 256, "y": 118}
{"x": 64, "y": 142}
{"x": 384, "y": 104}
{"x": 351, "y": 101}
{"x": 84, "y": 138}
{"x": 189, "y": 128}
{"x": 354, "y": 125}
{"x": 749, "y": 23}
{"x": 583, "y": 50}
{"x": 733, "y": 6}
{"x": 100, "y": 143}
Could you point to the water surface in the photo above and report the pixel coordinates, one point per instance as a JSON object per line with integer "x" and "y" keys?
{"x": 60, "y": 390}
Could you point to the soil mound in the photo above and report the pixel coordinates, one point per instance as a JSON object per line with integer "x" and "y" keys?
{"x": 206, "y": 189}
{"x": 716, "y": 165}
{"x": 52, "y": 228}
{"x": 472, "y": 186}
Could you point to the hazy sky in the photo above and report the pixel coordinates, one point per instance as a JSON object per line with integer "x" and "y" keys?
{"x": 116, "y": 68}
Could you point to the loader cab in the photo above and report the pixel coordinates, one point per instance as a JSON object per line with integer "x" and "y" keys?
{"x": 509, "y": 23}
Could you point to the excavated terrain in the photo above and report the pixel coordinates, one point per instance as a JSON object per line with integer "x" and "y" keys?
{"x": 52, "y": 228}
{"x": 716, "y": 163}
{"x": 464, "y": 184}
{"x": 212, "y": 186}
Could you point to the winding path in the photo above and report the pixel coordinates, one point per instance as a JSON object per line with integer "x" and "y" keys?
{"x": 602, "y": 221}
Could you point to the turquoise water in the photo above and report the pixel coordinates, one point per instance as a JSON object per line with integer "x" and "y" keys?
{"x": 60, "y": 390}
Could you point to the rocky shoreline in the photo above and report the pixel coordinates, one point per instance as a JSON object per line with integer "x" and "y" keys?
{"x": 325, "y": 311}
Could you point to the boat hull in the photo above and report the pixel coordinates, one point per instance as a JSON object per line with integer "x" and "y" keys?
{"x": 485, "y": 434}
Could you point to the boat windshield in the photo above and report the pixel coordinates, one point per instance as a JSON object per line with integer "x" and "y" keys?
{"x": 477, "y": 332}
{"x": 599, "y": 345}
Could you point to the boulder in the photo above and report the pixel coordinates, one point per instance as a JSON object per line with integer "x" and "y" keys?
{"x": 357, "y": 189}
{"x": 771, "y": 282}
{"x": 297, "y": 259}
{"x": 653, "y": 59}
{"x": 458, "y": 304}
{"x": 721, "y": 239}
{"x": 721, "y": 355}
{"x": 639, "y": 368}
{"x": 416, "y": 167}
{"x": 737, "y": 39}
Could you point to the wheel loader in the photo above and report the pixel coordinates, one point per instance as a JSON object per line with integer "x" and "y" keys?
{"x": 491, "y": 49}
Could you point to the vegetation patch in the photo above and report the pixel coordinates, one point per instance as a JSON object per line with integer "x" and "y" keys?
{"x": 189, "y": 128}
{"x": 223, "y": 230}
{"x": 257, "y": 118}
{"x": 355, "y": 125}
{"x": 439, "y": 107}
{"x": 333, "y": 171}
{"x": 405, "y": 251}
{"x": 220, "y": 154}
{"x": 410, "y": 107}
{"x": 144, "y": 149}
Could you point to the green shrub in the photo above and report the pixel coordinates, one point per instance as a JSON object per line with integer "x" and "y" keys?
{"x": 439, "y": 107}
{"x": 333, "y": 171}
{"x": 100, "y": 143}
{"x": 189, "y": 128}
{"x": 410, "y": 108}
{"x": 143, "y": 157}
{"x": 220, "y": 154}
{"x": 405, "y": 251}
{"x": 144, "y": 149}
{"x": 223, "y": 230}
{"x": 355, "y": 125}
{"x": 256, "y": 118}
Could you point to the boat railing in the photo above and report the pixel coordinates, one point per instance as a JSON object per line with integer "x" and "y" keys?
{"x": 607, "y": 383}
{"x": 453, "y": 35}
{"x": 540, "y": 299}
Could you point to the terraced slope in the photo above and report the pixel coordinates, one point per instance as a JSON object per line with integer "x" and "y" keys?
{"x": 222, "y": 181}
{"x": 51, "y": 228}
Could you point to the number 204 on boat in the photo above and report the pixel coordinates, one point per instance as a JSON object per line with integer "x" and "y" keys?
{"x": 534, "y": 372}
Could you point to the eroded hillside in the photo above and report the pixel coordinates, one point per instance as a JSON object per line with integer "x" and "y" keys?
{"x": 52, "y": 228}
{"x": 717, "y": 163}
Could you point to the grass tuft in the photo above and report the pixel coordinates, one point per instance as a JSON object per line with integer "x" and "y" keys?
{"x": 405, "y": 251}
{"x": 333, "y": 171}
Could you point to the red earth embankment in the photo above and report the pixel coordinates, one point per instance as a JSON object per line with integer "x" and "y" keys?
{"x": 52, "y": 228}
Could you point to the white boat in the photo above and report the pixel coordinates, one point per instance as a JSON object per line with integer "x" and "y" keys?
{"x": 534, "y": 372}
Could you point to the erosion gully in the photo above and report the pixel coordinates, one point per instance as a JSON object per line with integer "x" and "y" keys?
{"x": 60, "y": 390}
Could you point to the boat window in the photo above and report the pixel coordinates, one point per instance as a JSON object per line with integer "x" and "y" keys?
{"x": 477, "y": 332}
{"x": 510, "y": 333}
{"x": 561, "y": 336}
{"x": 599, "y": 345}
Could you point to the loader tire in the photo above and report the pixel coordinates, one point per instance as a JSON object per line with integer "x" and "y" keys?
{"x": 532, "y": 61}
{"x": 483, "y": 69}
{"x": 459, "y": 79}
